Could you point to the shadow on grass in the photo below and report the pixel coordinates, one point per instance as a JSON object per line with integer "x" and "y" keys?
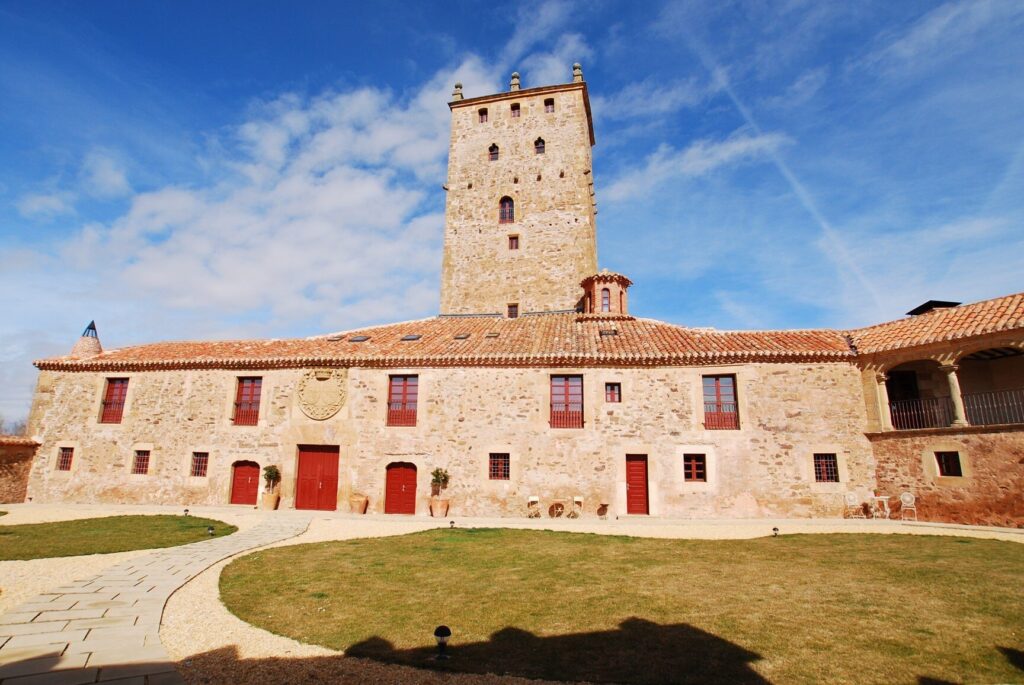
{"x": 1014, "y": 656}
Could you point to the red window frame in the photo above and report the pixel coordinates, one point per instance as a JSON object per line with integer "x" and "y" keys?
{"x": 513, "y": 310}
{"x": 506, "y": 210}
{"x": 200, "y": 464}
{"x": 549, "y": 105}
{"x": 140, "y": 463}
{"x": 606, "y": 300}
{"x": 513, "y": 242}
{"x": 695, "y": 468}
{"x": 613, "y": 392}
{"x": 403, "y": 397}
{"x": 113, "y": 400}
{"x": 515, "y": 110}
{"x": 492, "y": 153}
{"x": 482, "y": 115}
{"x": 721, "y": 411}
{"x": 247, "y": 401}
{"x": 826, "y": 468}
{"x": 65, "y": 455}
{"x": 949, "y": 464}
{"x": 499, "y": 466}
{"x": 567, "y": 401}
{"x": 538, "y": 146}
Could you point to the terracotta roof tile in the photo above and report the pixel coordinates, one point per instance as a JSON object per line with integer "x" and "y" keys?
{"x": 17, "y": 441}
{"x": 940, "y": 325}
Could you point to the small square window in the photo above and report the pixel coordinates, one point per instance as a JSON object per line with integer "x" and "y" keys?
{"x": 826, "y": 468}
{"x": 200, "y": 461}
{"x": 949, "y": 464}
{"x": 140, "y": 464}
{"x": 515, "y": 110}
{"x": 513, "y": 311}
{"x": 64, "y": 458}
{"x": 549, "y": 105}
{"x": 613, "y": 392}
{"x": 695, "y": 468}
{"x": 499, "y": 466}
{"x": 482, "y": 115}
{"x": 513, "y": 242}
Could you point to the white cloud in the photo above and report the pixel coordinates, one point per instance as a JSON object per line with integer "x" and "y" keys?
{"x": 698, "y": 159}
{"x": 800, "y": 91}
{"x": 46, "y": 205}
{"x": 535, "y": 22}
{"x": 555, "y": 66}
{"x": 651, "y": 97}
{"x": 103, "y": 176}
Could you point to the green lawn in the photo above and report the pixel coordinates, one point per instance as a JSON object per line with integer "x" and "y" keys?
{"x": 104, "y": 535}
{"x": 801, "y": 608}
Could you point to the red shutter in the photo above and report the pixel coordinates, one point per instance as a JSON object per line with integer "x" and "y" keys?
{"x": 247, "y": 401}
{"x": 402, "y": 400}
{"x": 113, "y": 400}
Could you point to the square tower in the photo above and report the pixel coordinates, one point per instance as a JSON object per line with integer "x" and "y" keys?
{"x": 520, "y": 233}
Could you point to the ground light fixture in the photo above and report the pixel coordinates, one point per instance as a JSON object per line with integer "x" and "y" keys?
{"x": 451, "y": 524}
{"x": 209, "y": 530}
{"x": 186, "y": 512}
{"x": 775, "y": 532}
{"x": 441, "y": 634}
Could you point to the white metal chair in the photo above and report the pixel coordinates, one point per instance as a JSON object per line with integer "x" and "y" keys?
{"x": 907, "y": 505}
{"x": 854, "y": 507}
{"x": 577, "y": 508}
{"x": 533, "y": 507}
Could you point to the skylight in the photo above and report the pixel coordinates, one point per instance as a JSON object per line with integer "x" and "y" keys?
{"x": 359, "y": 338}
{"x": 609, "y": 331}
{"x": 411, "y": 336}
{"x": 492, "y": 335}
{"x": 461, "y": 336}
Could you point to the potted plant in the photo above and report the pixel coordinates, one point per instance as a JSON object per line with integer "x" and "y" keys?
{"x": 357, "y": 503}
{"x": 272, "y": 477}
{"x": 438, "y": 481}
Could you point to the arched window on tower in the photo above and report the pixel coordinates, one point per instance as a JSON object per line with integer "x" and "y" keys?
{"x": 482, "y": 115}
{"x": 606, "y": 300}
{"x": 492, "y": 152}
{"x": 538, "y": 146}
{"x": 506, "y": 210}
{"x": 549, "y": 105}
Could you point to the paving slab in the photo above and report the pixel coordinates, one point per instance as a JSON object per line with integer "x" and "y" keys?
{"x": 105, "y": 628}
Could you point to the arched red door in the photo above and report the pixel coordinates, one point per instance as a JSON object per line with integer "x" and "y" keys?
{"x": 245, "y": 482}
{"x": 400, "y": 490}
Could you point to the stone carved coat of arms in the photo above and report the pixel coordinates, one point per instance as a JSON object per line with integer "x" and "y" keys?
{"x": 322, "y": 392}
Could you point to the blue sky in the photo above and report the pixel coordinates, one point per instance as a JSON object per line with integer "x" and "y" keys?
{"x": 214, "y": 170}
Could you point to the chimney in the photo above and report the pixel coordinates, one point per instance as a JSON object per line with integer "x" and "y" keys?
{"x": 88, "y": 345}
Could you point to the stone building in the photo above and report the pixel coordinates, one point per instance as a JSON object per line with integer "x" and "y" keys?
{"x": 536, "y": 381}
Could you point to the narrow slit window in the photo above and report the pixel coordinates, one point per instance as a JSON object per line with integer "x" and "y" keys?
{"x": 492, "y": 153}
{"x": 482, "y": 115}
{"x": 515, "y": 110}
{"x": 64, "y": 458}
{"x": 538, "y": 146}
{"x": 606, "y": 300}
{"x": 549, "y": 105}
{"x": 200, "y": 462}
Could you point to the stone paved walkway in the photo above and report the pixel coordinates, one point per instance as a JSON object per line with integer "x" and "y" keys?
{"x": 105, "y": 628}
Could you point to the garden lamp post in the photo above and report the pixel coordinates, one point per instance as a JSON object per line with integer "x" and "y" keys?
{"x": 775, "y": 532}
{"x": 441, "y": 634}
{"x": 209, "y": 531}
{"x": 186, "y": 512}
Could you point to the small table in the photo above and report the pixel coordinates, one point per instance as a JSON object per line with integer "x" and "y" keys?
{"x": 880, "y": 509}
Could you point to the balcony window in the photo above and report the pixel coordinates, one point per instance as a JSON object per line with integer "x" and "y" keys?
{"x": 113, "y": 400}
{"x": 567, "y": 401}
{"x": 247, "y": 401}
{"x": 402, "y": 398}
{"x": 720, "y": 409}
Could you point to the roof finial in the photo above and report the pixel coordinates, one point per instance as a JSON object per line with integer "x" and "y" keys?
{"x": 514, "y": 84}
{"x": 89, "y": 344}
{"x": 457, "y": 93}
{"x": 577, "y": 73}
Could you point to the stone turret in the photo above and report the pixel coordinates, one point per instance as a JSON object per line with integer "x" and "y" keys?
{"x": 89, "y": 344}
{"x": 605, "y": 293}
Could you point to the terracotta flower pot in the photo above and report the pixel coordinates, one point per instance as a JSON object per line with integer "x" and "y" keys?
{"x": 439, "y": 507}
{"x": 271, "y": 500}
{"x": 357, "y": 504}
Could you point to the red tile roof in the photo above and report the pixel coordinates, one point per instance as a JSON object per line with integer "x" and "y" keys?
{"x": 941, "y": 325}
{"x": 17, "y": 441}
{"x": 566, "y": 339}
{"x": 534, "y": 340}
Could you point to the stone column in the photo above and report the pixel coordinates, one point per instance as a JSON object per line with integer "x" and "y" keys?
{"x": 882, "y": 392}
{"x": 959, "y": 415}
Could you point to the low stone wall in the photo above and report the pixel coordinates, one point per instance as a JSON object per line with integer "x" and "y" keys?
{"x": 988, "y": 492}
{"x": 15, "y": 464}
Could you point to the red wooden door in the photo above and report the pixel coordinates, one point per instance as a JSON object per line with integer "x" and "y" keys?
{"x": 245, "y": 482}
{"x": 400, "y": 489}
{"x": 317, "y": 484}
{"x": 636, "y": 484}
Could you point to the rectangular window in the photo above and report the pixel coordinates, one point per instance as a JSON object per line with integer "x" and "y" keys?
{"x": 949, "y": 464}
{"x": 140, "y": 464}
{"x": 200, "y": 460}
{"x": 567, "y": 401}
{"x": 612, "y": 392}
{"x": 247, "y": 401}
{"x": 513, "y": 242}
{"x": 695, "y": 468}
{"x": 498, "y": 466}
{"x": 402, "y": 398}
{"x": 113, "y": 400}
{"x": 64, "y": 458}
{"x": 826, "y": 468}
{"x": 549, "y": 105}
{"x": 513, "y": 311}
{"x": 515, "y": 110}
{"x": 720, "y": 409}
{"x": 482, "y": 116}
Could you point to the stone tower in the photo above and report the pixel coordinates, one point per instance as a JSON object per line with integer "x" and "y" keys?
{"x": 519, "y": 219}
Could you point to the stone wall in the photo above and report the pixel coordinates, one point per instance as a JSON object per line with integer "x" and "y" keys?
{"x": 554, "y": 217}
{"x": 989, "y": 492}
{"x": 15, "y": 464}
{"x": 787, "y": 413}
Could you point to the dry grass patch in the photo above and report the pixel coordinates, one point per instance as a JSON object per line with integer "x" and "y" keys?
{"x": 104, "y": 535}
{"x": 801, "y": 608}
